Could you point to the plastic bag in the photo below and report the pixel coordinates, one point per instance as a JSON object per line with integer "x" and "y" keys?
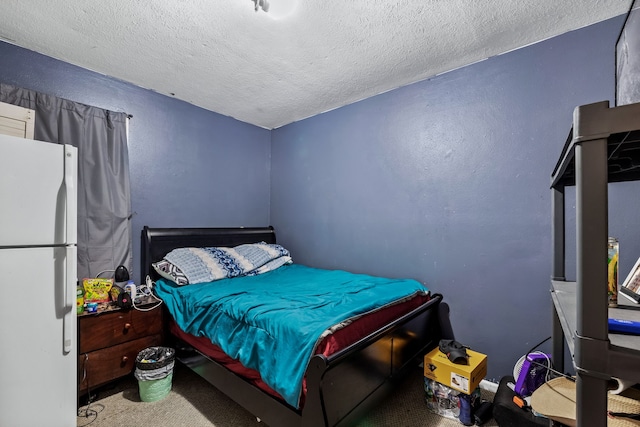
{"x": 154, "y": 363}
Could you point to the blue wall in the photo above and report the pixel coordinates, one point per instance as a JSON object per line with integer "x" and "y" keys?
{"x": 447, "y": 181}
{"x": 189, "y": 167}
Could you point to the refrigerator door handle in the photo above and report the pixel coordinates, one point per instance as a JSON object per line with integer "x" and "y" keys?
{"x": 70, "y": 184}
{"x": 70, "y": 281}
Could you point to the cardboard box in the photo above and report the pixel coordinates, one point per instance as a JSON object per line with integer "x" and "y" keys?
{"x": 464, "y": 378}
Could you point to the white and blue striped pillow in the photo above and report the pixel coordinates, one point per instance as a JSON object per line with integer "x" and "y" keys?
{"x": 201, "y": 265}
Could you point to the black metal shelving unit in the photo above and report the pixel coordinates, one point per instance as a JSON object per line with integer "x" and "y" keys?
{"x": 603, "y": 147}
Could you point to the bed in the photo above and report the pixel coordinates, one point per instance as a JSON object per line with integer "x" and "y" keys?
{"x": 341, "y": 385}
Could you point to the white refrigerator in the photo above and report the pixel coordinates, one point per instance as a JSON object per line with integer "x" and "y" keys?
{"x": 38, "y": 255}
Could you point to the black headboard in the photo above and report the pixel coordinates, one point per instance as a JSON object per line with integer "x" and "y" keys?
{"x": 157, "y": 242}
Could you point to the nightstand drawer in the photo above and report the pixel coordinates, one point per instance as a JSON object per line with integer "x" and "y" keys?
{"x": 112, "y": 328}
{"x": 101, "y": 366}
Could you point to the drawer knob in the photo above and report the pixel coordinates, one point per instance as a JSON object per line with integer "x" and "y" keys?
{"x": 125, "y": 359}
{"x": 127, "y": 326}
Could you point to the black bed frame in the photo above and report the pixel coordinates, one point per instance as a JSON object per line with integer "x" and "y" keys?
{"x": 340, "y": 388}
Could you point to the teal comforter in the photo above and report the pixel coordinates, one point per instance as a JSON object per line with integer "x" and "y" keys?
{"x": 272, "y": 322}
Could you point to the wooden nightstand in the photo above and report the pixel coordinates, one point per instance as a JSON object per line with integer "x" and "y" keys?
{"x": 109, "y": 341}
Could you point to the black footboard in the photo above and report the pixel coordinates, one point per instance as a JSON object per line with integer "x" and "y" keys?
{"x": 349, "y": 383}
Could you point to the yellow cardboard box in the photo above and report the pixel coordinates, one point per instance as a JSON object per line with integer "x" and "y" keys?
{"x": 464, "y": 378}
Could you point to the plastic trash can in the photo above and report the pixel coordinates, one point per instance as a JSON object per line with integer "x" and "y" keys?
{"x": 154, "y": 372}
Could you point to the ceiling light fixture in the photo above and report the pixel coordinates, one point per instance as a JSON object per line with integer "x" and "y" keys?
{"x": 261, "y": 4}
{"x": 278, "y": 10}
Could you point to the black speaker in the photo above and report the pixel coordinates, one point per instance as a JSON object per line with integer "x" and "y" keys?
{"x": 121, "y": 274}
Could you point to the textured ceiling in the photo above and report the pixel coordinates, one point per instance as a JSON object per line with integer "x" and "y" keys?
{"x": 224, "y": 56}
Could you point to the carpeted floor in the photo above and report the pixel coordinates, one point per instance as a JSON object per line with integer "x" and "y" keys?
{"x": 195, "y": 403}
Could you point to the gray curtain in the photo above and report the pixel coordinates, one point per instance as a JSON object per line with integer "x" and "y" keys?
{"x": 104, "y": 200}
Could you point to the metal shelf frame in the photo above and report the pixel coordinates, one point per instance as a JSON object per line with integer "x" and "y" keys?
{"x": 601, "y": 148}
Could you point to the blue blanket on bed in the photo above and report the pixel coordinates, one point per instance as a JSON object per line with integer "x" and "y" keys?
{"x": 271, "y": 322}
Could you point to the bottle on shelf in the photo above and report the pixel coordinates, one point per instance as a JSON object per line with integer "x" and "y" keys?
{"x": 613, "y": 248}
